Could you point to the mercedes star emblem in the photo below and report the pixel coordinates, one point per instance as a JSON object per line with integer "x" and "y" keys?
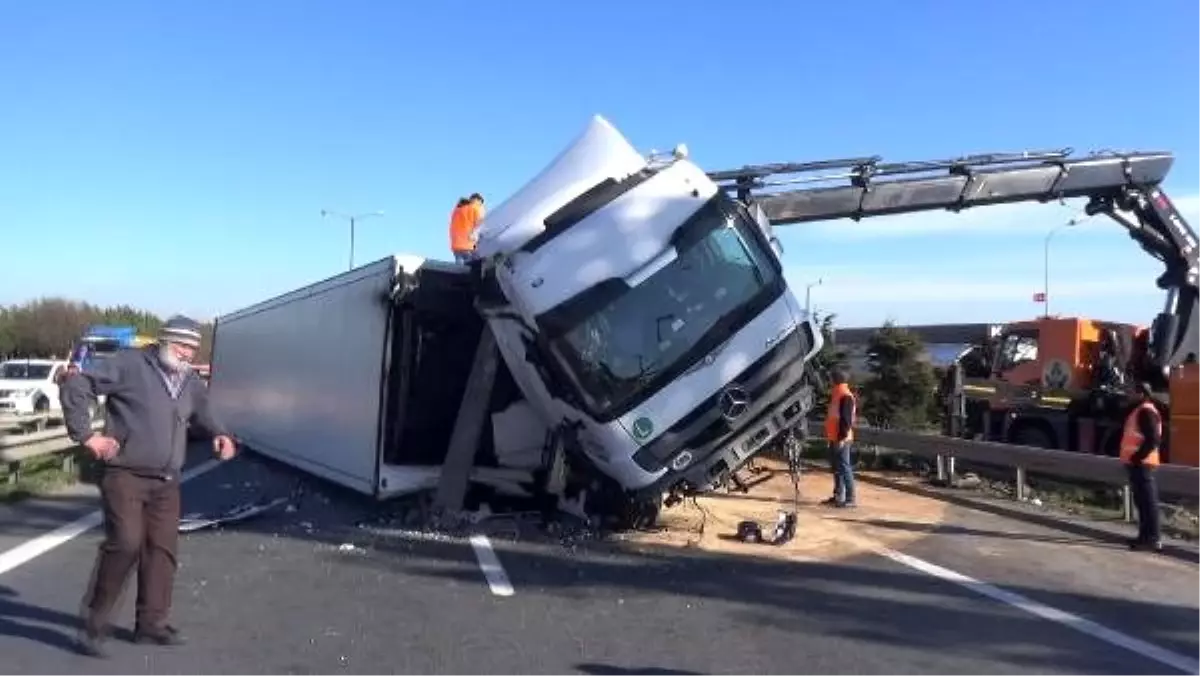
{"x": 733, "y": 402}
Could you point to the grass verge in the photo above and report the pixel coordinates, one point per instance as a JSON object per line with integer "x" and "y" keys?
{"x": 1086, "y": 500}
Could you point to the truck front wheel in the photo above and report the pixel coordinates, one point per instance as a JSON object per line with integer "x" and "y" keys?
{"x": 633, "y": 514}
{"x": 619, "y": 510}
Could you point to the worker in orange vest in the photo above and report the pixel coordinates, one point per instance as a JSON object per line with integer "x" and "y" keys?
{"x": 464, "y": 220}
{"x": 476, "y": 201}
{"x": 1140, "y": 441}
{"x": 839, "y": 433}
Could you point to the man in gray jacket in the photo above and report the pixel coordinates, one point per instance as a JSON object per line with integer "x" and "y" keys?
{"x": 151, "y": 396}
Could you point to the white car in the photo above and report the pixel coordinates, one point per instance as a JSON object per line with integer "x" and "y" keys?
{"x": 29, "y": 390}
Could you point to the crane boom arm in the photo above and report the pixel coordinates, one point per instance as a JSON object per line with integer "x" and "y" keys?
{"x": 1125, "y": 186}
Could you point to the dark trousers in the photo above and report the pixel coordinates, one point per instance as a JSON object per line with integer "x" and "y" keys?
{"x": 843, "y": 471}
{"x": 1144, "y": 490}
{"x": 141, "y": 527}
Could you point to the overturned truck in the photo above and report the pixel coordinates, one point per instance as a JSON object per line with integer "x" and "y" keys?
{"x": 625, "y": 335}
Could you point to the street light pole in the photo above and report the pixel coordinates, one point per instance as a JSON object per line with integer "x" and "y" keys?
{"x": 808, "y": 296}
{"x": 352, "y": 219}
{"x": 1046, "y": 263}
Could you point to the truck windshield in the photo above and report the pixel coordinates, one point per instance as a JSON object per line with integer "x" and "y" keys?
{"x": 721, "y": 277}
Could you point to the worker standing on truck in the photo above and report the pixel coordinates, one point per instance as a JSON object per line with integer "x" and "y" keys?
{"x": 464, "y": 221}
{"x": 1140, "y": 440}
{"x": 477, "y": 204}
{"x": 839, "y": 433}
{"x": 151, "y": 394}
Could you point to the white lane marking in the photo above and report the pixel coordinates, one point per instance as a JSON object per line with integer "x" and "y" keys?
{"x": 28, "y": 551}
{"x": 1111, "y": 636}
{"x": 489, "y": 563}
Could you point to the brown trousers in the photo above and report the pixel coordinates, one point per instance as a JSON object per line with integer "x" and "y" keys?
{"x": 141, "y": 526}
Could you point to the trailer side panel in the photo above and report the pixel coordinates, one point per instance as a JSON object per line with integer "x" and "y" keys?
{"x": 298, "y": 377}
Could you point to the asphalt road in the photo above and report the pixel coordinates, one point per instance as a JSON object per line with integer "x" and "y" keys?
{"x": 311, "y": 591}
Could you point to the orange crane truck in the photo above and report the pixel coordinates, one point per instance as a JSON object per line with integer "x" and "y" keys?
{"x": 1063, "y": 383}
{"x": 1053, "y": 382}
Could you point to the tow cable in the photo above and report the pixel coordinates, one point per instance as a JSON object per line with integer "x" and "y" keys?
{"x": 785, "y": 523}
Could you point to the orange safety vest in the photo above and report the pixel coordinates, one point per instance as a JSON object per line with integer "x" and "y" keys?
{"x": 832, "y": 413}
{"x": 462, "y": 224}
{"x": 1131, "y": 437}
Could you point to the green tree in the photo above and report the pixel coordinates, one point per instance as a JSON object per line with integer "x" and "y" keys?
{"x": 901, "y": 389}
{"x": 49, "y": 327}
{"x": 828, "y": 358}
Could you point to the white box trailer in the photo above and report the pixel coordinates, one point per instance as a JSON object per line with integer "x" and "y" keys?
{"x": 358, "y": 379}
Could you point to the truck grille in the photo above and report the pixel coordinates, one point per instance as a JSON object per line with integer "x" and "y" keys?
{"x": 704, "y": 429}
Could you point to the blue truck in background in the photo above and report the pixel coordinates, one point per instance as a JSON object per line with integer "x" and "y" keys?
{"x": 101, "y": 340}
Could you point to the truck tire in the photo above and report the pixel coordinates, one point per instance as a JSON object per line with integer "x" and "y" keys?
{"x": 621, "y": 511}
{"x": 41, "y": 406}
{"x": 638, "y": 514}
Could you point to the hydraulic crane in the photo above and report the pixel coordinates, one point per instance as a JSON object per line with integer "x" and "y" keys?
{"x": 1124, "y": 186}
{"x": 1127, "y": 187}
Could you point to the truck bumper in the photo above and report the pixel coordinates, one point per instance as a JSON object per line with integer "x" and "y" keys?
{"x": 709, "y": 472}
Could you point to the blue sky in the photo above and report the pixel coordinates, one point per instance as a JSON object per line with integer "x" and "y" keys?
{"x": 176, "y": 156}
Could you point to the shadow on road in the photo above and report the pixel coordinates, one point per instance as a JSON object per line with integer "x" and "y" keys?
{"x": 860, "y": 598}
{"x": 855, "y": 598}
{"x": 35, "y": 515}
{"x": 50, "y": 627}
{"x": 947, "y": 529}
{"x": 1015, "y": 511}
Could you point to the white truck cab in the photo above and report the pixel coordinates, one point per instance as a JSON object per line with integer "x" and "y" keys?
{"x": 636, "y": 302}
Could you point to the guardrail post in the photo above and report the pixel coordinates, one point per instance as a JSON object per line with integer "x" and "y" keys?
{"x": 1127, "y": 503}
{"x": 1020, "y": 483}
{"x": 1083, "y": 467}
{"x": 950, "y": 470}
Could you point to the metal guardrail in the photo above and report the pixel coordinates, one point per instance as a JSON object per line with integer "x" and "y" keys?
{"x": 21, "y": 421}
{"x": 18, "y": 448}
{"x": 1174, "y": 480}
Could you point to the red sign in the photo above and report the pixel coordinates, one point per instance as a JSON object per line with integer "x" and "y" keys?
{"x": 1039, "y": 297}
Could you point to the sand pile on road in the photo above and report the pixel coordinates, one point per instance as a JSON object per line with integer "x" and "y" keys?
{"x": 883, "y": 516}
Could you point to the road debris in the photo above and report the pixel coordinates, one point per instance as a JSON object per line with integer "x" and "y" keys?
{"x": 198, "y": 520}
